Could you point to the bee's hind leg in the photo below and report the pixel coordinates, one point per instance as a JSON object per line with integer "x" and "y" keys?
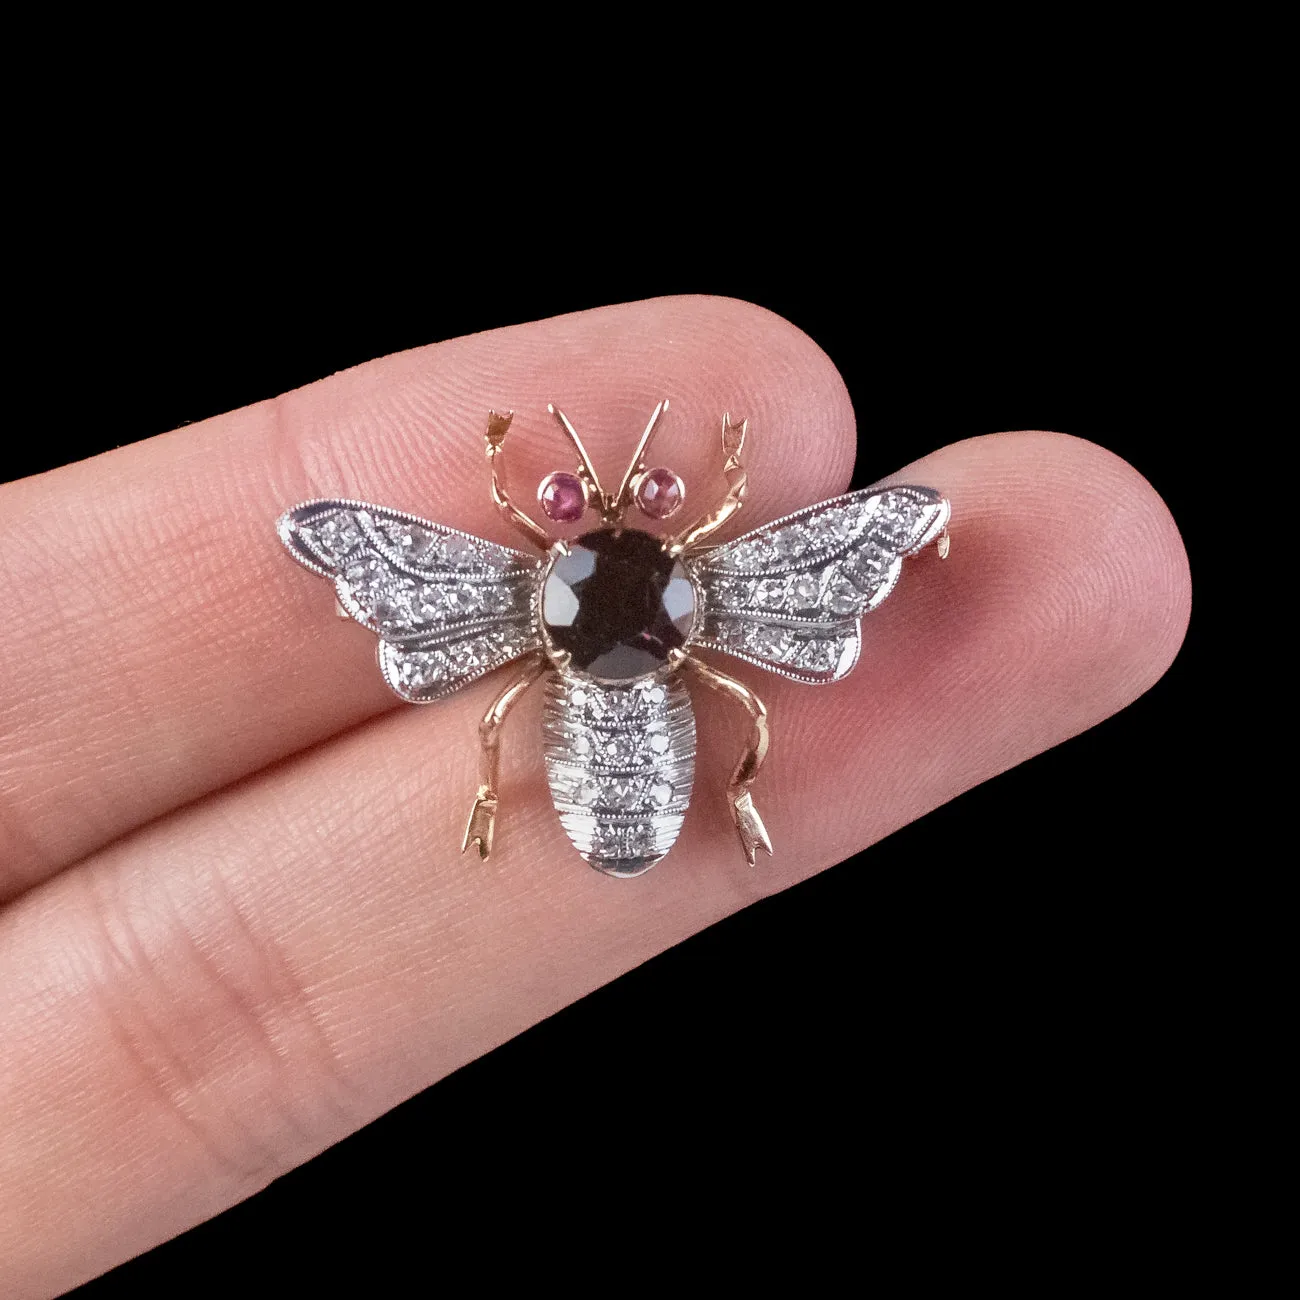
{"x": 749, "y": 825}
{"x": 482, "y": 817}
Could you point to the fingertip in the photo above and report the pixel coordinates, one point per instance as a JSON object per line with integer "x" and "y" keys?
{"x": 1123, "y": 582}
{"x": 1080, "y": 537}
{"x": 1066, "y": 596}
{"x": 1150, "y": 574}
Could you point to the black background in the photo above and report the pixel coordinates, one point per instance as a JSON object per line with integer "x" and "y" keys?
{"x": 995, "y": 1005}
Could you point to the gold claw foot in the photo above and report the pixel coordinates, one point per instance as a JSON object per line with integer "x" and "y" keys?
{"x": 497, "y": 428}
{"x": 483, "y": 816}
{"x": 733, "y": 438}
{"x": 750, "y": 828}
{"x": 481, "y": 824}
{"x": 749, "y": 825}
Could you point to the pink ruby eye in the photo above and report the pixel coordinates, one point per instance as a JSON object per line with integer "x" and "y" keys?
{"x": 659, "y": 493}
{"x": 563, "y": 497}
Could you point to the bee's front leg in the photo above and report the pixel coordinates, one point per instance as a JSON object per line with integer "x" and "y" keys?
{"x": 733, "y": 468}
{"x": 749, "y": 825}
{"x": 482, "y": 817}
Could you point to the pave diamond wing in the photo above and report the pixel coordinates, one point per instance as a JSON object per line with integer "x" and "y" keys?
{"x": 447, "y": 607}
{"x": 790, "y": 596}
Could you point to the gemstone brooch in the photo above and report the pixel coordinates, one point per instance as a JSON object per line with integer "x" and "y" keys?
{"x": 613, "y": 619}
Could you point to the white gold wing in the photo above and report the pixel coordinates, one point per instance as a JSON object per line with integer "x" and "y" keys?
{"x": 447, "y": 607}
{"x": 790, "y": 596}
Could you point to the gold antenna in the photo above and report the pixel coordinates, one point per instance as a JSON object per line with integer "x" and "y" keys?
{"x": 586, "y": 471}
{"x": 637, "y": 465}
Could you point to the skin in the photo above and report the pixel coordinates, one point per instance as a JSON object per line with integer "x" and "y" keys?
{"x": 236, "y": 926}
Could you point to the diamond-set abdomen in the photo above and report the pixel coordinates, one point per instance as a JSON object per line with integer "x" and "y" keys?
{"x": 620, "y": 761}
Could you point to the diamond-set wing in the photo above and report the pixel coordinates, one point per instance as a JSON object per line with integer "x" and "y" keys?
{"x": 447, "y": 607}
{"x": 790, "y": 596}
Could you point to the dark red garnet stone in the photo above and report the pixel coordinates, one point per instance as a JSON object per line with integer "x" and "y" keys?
{"x": 618, "y": 603}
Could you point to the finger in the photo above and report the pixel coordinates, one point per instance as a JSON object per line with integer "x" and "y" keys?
{"x": 227, "y": 991}
{"x": 159, "y": 644}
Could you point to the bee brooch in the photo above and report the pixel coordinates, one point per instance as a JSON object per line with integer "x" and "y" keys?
{"x": 613, "y": 619}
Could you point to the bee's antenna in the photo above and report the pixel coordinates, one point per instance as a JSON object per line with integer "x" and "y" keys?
{"x": 586, "y": 471}
{"x": 637, "y": 464}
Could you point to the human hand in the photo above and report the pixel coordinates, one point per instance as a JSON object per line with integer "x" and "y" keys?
{"x": 238, "y": 925}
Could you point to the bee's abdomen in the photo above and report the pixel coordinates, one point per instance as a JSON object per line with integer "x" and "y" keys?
{"x": 620, "y": 762}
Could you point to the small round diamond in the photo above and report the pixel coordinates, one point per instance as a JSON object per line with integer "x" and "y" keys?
{"x": 769, "y": 642}
{"x": 411, "y": 539}
{"x": 620, "y": 749}
{"x": 623, "y": 794}
{"x": 335, "y": 536}
{"x": 731, "y": 594}
{"x": 419, "y": 669}
{"x": 463, "y": 599}
{"x": 805, "y": 591}
{"x": 820, "y": 656}
{"x": 562, "y": 496}
{"x": 620, "y": 704}
{"x": 838, "y": 524}
{"x": 659, "y": 493}
{"x": 843, "y": 597}
{"x": 791, "y": 541}
{"x": 867, "y": 568}
{"x": 661, "y": 793}
{"x": 430, "y": 603}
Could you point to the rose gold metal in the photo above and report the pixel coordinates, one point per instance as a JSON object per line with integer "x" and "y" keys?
{"x": 636, "y": 466}
{"x": 482, "y": 817}
{"x": 497, "y": 428}
{"x": 317, "y": 552}
{"x": 749, "y": 825}
{"x": 596, "y": 495}
{"x": 733, "y": 442}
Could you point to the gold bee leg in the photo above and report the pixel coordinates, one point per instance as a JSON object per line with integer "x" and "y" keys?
{"x": 497, "y": 428}
{"x": 749, "y": 825}
{"x": 482, "y": 817}
{"x": 733, "y": 443}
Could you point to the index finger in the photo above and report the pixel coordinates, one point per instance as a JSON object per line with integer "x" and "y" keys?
{"x": 158, "y": 645}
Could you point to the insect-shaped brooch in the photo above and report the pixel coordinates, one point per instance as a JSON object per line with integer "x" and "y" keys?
{"x": 613, "y": 619}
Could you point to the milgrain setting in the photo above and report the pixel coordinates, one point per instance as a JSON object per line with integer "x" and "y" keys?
{"x": 614, "y": 619}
